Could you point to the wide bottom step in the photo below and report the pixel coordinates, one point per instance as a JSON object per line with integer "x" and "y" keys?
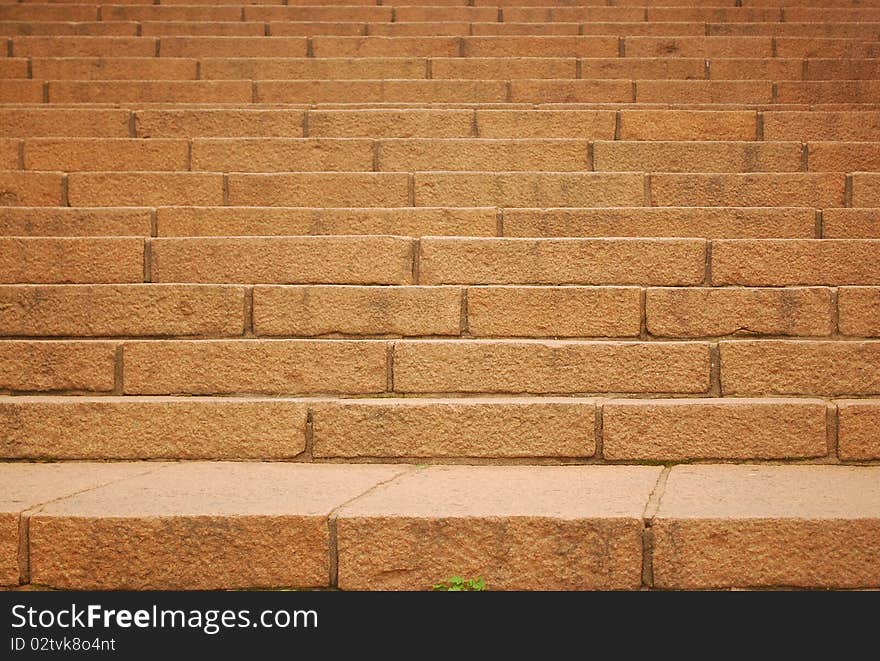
{"x": 271, "y": 525}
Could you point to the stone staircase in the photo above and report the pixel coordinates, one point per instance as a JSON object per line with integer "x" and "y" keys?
{"x": 336, "y": 294}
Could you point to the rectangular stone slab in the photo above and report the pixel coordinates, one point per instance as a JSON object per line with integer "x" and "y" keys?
{"x": 768, "y": 526}
{"x": 151, "y": 428}
{"x": 198, "y": 526}
{"x": 27, "y": 486}
{"x": 455, "y": 427}
{"x": 519, "y": 527}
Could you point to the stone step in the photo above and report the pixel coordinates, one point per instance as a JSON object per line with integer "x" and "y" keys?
{"x": 505, "y": 45}
{"x": 456, "y": 68}
{"x": 498, "y": 123}
{"x": 644, "y": 222}
{"x": 233, "y": 525}
{"x": 499, "y": 430}
{"x": 820, "y": 367}
{"x": 205, "y": 311}
{"x": 266, "y": 155}
{"x": 394, "y": 260}
{"x": 465, "y": 189}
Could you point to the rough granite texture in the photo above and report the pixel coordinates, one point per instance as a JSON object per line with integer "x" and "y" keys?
{"x": 517, "y": 527}
{"x": 256, "y": 525}
{"x": 521, "y": 427}
{"x": 151, "y": 428}
{"x": 774, "y": 526}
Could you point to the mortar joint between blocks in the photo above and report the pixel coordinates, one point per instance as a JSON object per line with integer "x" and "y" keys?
{"x": 416, "y": 260}
{"x": 24, "y": 549}
{"x": 832, "y": 429}
{"x": 835, "y": 311}
{"x": 309, "y": 452}
{"x": 715, "y": 388}
{"x": 648, "y": 515}
{"x": 707, "y": 276}
{"x": 463, "y": 329}
{"x": 248, "y": 326}
{"x": 333, "y": 550}
{"x": 643, "y": 313}
{"x": 647, "y": 556}
{"x": 377, "y": 155}
{"x": 119, "y": 369}
{"x": 148, "y": 260}
{"x": 389, "y": 367}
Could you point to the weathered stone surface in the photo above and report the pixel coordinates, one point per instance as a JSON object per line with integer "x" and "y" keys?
{"x": 857, "y": 435}
{"x": 108, "y": 310}
{"x": 324, "y": 310}
{"x": 477, "y": 427}
{"x": 554, "y": 311}
{"x": 151, "y": 428}
{"x": 28, "y": 486}
{"x": 198, "y": 526}
{"x": 57, "y": 365}
{"x": 518, "y": 527}
{"x": 768, "y": 526}
{"x": 548, "y": 367}
{"x": 716, "y": 428}
{"x": 272, "y": 367}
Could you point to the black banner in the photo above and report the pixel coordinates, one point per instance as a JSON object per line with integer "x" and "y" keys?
{"x": 128, "y": 625}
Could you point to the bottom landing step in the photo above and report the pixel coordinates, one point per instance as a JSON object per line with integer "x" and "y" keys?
{"x": 273, "y": 525}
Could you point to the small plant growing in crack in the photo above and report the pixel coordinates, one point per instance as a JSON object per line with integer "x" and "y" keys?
{"x": 459, "y": 584}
